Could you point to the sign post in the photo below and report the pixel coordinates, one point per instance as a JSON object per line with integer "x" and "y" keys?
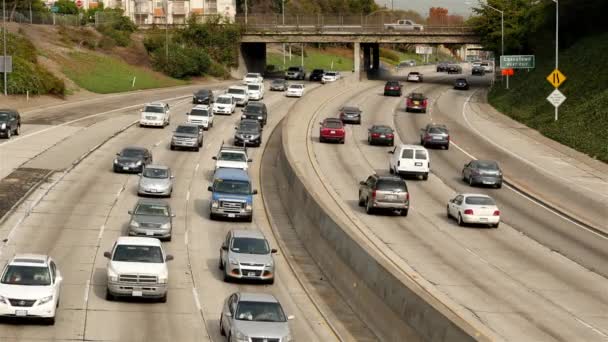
{"x": 556, "y": 78}
{"x": 516, "y": 62}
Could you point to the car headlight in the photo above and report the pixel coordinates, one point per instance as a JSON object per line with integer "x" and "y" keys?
{"x": 248, "y": 207}
{"x": 3, "y": 125}
{"x": 115, "y": 161}
{"x": 215, "y": 204}
{"x": 260, "y": 117}
{"x": 163, "y": 280}
{"x": 138, "y": 163}
{"x": 243, "y": 117}
{"x": 3, "y": 300}
{"x": 269, "y": 264}
{"x": 239, "y": 336}
{"x": 45, "y": 300}
{"x": 234, "y": 262}
{"x": 165, "y": 225}
{"x": 113, "y": 277}
{"x": 134, "y": 224}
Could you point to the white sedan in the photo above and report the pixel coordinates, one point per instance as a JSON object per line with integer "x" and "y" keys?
{"x": 253, "y": 78}
{"x": 30, "y": 287}
{"x": 295, "y": 90}
{"x": 330, "y": 76}
{"x": 474, "y": 209}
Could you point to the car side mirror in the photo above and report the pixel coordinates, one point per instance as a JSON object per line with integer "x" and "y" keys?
{"x": 172, "y": 215}
{"x": 58, "y": 279}
{"x": 249, "y": 160}
{"x": 274, "y": 250}
{"x": 391, "y": 152}
{"x": 254, "y": 192}
{"x": 130, "y": 212}
{"x": 118, "y": 154}
{"x": 228, "y": 314}
{"x": 187, "y": 113}
{"x": 291, "y": 317}
{"x": 210, "y": 188}
{"x": 224, "y": 248}
{"x": 214, "y": 158}
{"x": 168, "y": 257}
{"x": 107, "y": 255}
{"x": 362, "y": 183}
{"x": 236, "y": 127}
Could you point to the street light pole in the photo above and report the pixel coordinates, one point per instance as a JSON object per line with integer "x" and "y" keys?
{"x": 166, "y": 31}
{"x": 283, "y": 10}
{"x": 245, "y": 12}
{"x": 502, "y": 34}
{"x": 556, "y": 44}
{"x": 4, "y": 46}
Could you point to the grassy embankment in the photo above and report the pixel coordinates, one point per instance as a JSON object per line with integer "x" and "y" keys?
{"x": 315, "y": 59}
{"x": 583, "y": 117}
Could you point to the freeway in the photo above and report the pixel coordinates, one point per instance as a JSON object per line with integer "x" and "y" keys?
{"x": 514, "y": 285}
{"x": 80, "y": 212}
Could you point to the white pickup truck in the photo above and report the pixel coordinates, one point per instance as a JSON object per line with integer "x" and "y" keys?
{"x": 403, "y": 25}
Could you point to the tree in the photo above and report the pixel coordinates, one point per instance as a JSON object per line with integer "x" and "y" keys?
{"x": 438, "y": 16}
{"x": 66, "y": 7}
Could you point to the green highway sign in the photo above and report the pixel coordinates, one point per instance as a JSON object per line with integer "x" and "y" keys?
{"x": 517, "y": 62}
{"x": 54, "y": 9}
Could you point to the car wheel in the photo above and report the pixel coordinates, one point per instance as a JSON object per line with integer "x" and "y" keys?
{"x": 200, "y": 144}
{"x": 368, "y": 208}
{"x": 220, "y": 264}
{"x": 361, "y": 201}
{"x": 392, "y": 143}
{"x": 321, "y": 139}
{"x": 8, "y": 134}
{"x": 499, "y": 185}
{"x": 495, "y": 225}
{"x": 109, "y": 295}
{"x": 196, "y": 149}
{"x": 50, "y": 321}
{"x": 447, "y": 211}
{"x": 460, "y": 221}
{"x": 404, "y": 212}
{"x": 390, "y": 170}
{"x": 172, "y": 148}
{"x": 168, "y": 239}
{"x": 212, "y": 216}
{"x": 18, "y": 130}
{"x": 163, "y": 299}
{"x": 425, "y": 176}
{"x": 222, "y": 332}
{"x": 226, "y": 276}
{"x": 270, "y": 281}
{"x": 471, "y": 181}
{"x": 342, "y": 141}
{"x": 447, "y": 147}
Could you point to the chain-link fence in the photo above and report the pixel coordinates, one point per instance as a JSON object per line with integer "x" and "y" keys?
{"x": 48, "y": 18}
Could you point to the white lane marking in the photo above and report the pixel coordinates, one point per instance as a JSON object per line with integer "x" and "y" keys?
{"x": 591, "y": 327}
{"x": 119, "y": 191}
{"x": 188, "y": 196}
{"x": 528, "y": 197}
{"x": 196, "y": 300}
{"x": 103, "y": 227}
{"x": 186, "y": 238}
{"x": 86, "y": 293}
{"x": 567, "y": 180}
{"x": 158, "y": 143}
{"x": 196, "y": 168}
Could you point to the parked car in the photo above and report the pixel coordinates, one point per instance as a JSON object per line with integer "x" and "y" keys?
{"x": 350, "y": 114}
{"x": 231, "y": 195}
{"x": 332, "y": 129}
{"x": 486, "y": 172}
{"x": 151, "y": 218}
{"x": 442, "y": 66}
{"x": 252, "y": 78}
{"x": 256, "y": 317}
{"x": 232, "y": 157}
{"x": 248, "y": 132}
{"x": 132, "y": 159}
{"x": 201, "y": 115}
{"x": 384, "y": 192}
{"x": 474, "y": 209}
{"x": 10, "y": 123}
{"x": 478, "y": 70}
{"x": 454, "y": 69}
{"x": 203, "y": 96}
{"x": 461, "y": 84}
{"x": 225, "y": 104}
{"x": 187, "y": 136}
{"x": 137, "y": 267}
{"x": 316, "y": 75}
{"x": 435, "y": 135}
{"x": 30, "y": 288}
{"x": 155, "y": 180}
{"x": 393, "y": 88}
{"x": 278, "y": 85}
{"x": 295, "y": 90}
{"x": 255, "y": 111}
{"x": 240, "y": 94}
{"x": 330, "y": 76}
{"x": 410, "y": 160}
{"x": 416, "y": 102}
{"x": 414, "y": 76}
{"x": 381, "y": 135}
{"x": 295, "y": 73}
{"x": 404, "y": 25}
{"x": 255, "y": 91}
{"x": 246, "y": 254}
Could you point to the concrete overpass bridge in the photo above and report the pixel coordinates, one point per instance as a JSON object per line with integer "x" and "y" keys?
{"x": 364, "y": 32}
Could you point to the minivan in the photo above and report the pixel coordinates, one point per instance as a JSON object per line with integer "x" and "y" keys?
{"x": 410, "y": 160}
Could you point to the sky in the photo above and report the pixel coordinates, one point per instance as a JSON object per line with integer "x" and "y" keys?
{"x": 422, "y": 6}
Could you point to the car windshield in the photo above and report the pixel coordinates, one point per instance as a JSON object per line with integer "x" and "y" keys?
{"x": 278, "y": 81}
{"x": 232, "y": 156}
{"x": 333, "y": 124}
{"x": 251, "y": 75}
{"x": 154, "y": 109}
{"x": 487, "y": 165}
{"x": 382, "y": 129}
{"x": 317, "y": 71}
{"x": 392, "y": 84}
{"x": 203, "y": 93}
{"x": 132, "y": 153}
{"x": 253, "y": 86}
{"x": 152, "y": 210}
{"x": 351, "y": 109}
{"x": 236, "y": 91}
{"x": 248, "y": 126}
{"x": 250, "y": 246}
{"x": 295, "y": 86}
{"x": 26, "y": 275}
{"x": 479, "y": 200}
{"x": 417, "y": 97}
{"x": 330, "y": 73}
{"x": 437, "y": 130}
{"x": 187, "y": 129}
{"x": 151, "y": 172}
{"x": 461, "y": 80}
{"x": 293, "y": 69}
{"x": 232, "y": 187}
{"x": 224, "y": 100}
{"x": 253, "y": 109}
{"x": 151, "y": 254}
{"x": 260, "y": 312}
{"x": 199, "y": 112}
{"x": 3, "y": 116}
{"x": 391, "y": 185}
{"x": 414, "y": 73}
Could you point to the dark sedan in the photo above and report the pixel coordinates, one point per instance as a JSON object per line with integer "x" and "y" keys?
{"x": 255, "y": 111}
{"x": 278, "y": 85}
{"x": 132, "y": 159}
{"x": 454, "y": 69}
{"x": 461, "y": 84}
{"x": 442, "y": 67}
{"x": 478, "y": 70}
{"x": 10, "y": 123}
{"x": 316, "y": 75}
{"x": 350, "y": 114}
{"x": 435, "y": 135}
{"x": 486, "y": 172}
{"x": 393, "y": 88}
{"x": 203, "y": 96}
{"x": 381, "y": 135}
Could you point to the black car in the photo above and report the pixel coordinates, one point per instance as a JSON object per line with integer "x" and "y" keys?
{"x": 435, "y": 135}
{"x": 316, "y": 75}
{"x": 442, "y": 67}
{"x": 454, "y": 69}
{"x": 132, "y": 159}
{"x": 350, "y": 114}
{"x": 278, "y": 85}
{"x": 248, "y": 132}
{"x": 381, "y": 135}
{"x": 203, "y": 96}
{"x": 486, "y": 172}
{"x": 478, "y": 70}
{"x": 461, "y": 84}
{"x": 255, "y": 111}
{"x": 393, "y": 88}
{"x": 10, "y": 123}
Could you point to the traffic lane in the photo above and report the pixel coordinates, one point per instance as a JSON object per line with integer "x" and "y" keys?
{"x": 205, "y": 238}
{"x": 431, "y": 249}
{"x": 525, "y": 215}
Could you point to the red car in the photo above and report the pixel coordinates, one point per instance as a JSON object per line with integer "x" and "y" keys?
{"x": 332, "y": 129}
{"x": 416, "y": 102}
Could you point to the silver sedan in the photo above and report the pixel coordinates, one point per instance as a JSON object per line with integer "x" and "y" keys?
{"x": 155, "y": 180}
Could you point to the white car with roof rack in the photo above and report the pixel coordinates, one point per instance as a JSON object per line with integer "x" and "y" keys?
{"x": 224, "y": 104}
{"x": 30, "y": 287}
{"x": 155, "y": 114}
{"x": 232, "y": 157}
{"x": 201, "y": 115}
{"x": 253, "y": 78}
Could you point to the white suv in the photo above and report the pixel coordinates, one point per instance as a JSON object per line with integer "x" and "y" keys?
{"x": 137, "y": 268}
{"x": 224, "y": 104}
{"x": 30, "y": 287}
{"x": 155, "y": 114}
{"x": 410, "y": 160}
{"x": 201, "y": 115}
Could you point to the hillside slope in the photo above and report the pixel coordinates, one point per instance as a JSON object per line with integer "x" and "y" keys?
{"x": 583, "y": 117}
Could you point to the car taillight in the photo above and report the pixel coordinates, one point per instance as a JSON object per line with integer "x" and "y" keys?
{"x": 389, "y": 135}
{"x": 496, "y": 213}
{"x": 409, "y": 101}
{"x": 375, "y": 135}
{"x": 407, "y": 196}
{"x": 427, "y": 137}
{"x": 374, "y": 194}
{"x": 468, "y": 212}
{"x": 448, "y": 138}
{"x": 424, "y": 102}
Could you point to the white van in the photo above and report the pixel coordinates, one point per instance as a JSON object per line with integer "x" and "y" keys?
{"x": 155, "y": 114}
{"x": 410, "y": 160}
{"x": 255, "y": 91}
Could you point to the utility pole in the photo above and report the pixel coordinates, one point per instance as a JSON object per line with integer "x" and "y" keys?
{"x": 502, "y": 35}
{"x": 283, "y": 11}
{"x": 4, "y": 46}
{"x": 556, "y": 45}
{"x": 246, "y": 12}
{"x": 166, "y": 31}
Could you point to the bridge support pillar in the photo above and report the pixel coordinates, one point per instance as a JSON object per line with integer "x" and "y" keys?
{"x": 367, "y": 52}
{"x": 253, "y": 56}
{"x": 357, "y": 60}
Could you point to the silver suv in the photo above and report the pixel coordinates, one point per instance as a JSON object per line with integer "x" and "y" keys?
{"x": 245, "y": 254}
{"x": 187, "y": 136}
{"x": 384, "y": 192}
{"x": 152, "y": 218}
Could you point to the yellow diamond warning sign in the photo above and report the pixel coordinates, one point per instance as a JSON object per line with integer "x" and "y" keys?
{"x": 556, "y": 78}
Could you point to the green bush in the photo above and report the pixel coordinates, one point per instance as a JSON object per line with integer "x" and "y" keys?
{"x": 121, "y": 38}
{"x": 217, "y": 70}
{"x": 390, "y": 55}
{"x": 182, "y": 61}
